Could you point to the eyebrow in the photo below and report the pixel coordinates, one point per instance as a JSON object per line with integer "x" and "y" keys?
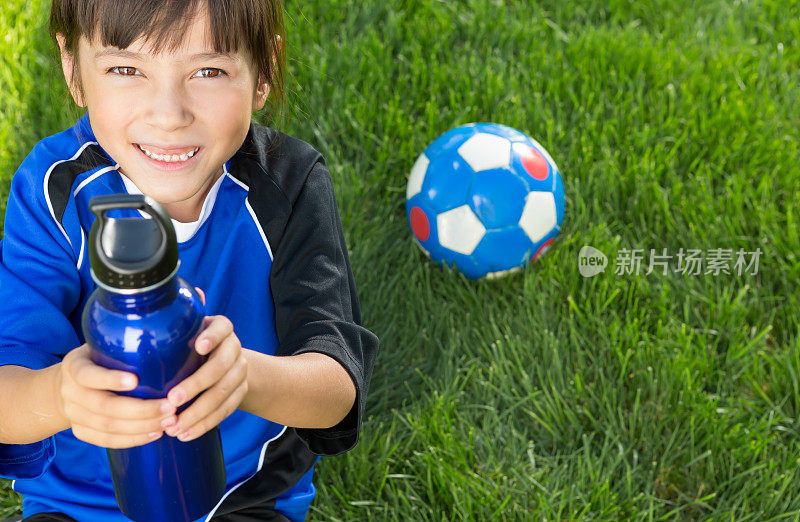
{"x": 124, "y": 53}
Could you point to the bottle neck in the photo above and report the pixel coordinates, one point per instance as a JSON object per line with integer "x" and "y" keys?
{"x": 162, "y": 293}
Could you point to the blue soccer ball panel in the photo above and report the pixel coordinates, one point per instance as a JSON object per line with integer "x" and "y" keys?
{"x": 447, "y": 181}
{"x": 449, "y": 141}
{"x": 498, "y": 197}
{"x": 503, "y": 249}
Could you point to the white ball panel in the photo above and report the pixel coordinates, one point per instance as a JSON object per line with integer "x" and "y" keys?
{"x": 417, "y": 176}
{"x": 460, "y": 230}
{"x": 486, "y": 151}
{"x": 538, "y": 215}
{"x": 502, "y": 273}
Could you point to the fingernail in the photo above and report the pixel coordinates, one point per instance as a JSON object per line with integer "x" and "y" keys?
{"x": 166, "y": 407}
{"x": 177, "y": 398}
{"x": 204, "y": 345}
{"x": 128, "y": 381}
{"x": 183, "y": 436}
{"x": 154, "y": 434}
{"x": 166, "y": 423}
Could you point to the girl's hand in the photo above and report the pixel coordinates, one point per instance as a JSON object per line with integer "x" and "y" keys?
{"x": 219, "y": 385}
{"x": 99, "y": 416}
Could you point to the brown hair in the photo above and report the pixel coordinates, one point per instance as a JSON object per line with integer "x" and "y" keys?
{"x": 248, "y": 25}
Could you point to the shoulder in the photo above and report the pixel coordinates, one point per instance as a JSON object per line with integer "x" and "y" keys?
{"x": 276, "y": 159}
{"x": 276, "y": 168}
{"x": 48, "y": 172}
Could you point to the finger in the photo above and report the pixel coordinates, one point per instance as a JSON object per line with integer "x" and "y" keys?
{"x": 82, "y": 370}
{"x": 218, "y": 328}
{"x": 216, "y": 366}
{"x": 202, "y": 295}
{"x": 80, "y": 416}
{"x": 217, "y": 415}
{"x": 107, "y": 440}
{"x": 109, "y": 404}
{"x": 212, "y": 400}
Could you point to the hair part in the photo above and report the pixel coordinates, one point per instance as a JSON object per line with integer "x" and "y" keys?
{"x": 251, "y": 26}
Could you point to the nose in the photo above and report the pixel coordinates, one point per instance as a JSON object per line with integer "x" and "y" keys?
{"x": 169, "y": 108}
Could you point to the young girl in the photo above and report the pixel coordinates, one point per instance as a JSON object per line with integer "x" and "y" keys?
{"x": 169, "y": 88}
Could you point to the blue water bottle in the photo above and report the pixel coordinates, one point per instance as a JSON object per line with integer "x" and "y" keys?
{"x": 143, "y": 318}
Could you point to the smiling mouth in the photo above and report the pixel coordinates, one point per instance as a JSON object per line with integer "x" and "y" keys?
{"x": 168, "y": 158}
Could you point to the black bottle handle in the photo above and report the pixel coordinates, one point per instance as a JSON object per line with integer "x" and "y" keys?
{"x": 99, "y": 205}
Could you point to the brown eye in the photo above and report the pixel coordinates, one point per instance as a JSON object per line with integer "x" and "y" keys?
{"x": 210, "y": 72}
{"x": 124, "y": 71}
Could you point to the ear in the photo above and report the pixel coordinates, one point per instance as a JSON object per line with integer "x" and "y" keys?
{"x": 262, "y": 92}
{"x": 67, "y": 64}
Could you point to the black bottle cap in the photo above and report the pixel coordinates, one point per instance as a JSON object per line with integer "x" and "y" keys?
{"x": 131, "y": 254}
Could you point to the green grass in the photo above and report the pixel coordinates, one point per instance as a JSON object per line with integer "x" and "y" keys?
{"x": 546, "y": 394}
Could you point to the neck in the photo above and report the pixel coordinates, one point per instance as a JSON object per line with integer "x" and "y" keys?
{"x": 189, "y": 210}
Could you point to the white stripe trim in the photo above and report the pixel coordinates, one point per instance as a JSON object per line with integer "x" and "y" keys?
{"x": 260, "y": 230}
{"x": 238, "y": 182}
{"x": 93, "y": 177}
{"x": 75, "y": 193}
{"x": 83, "y": 241}
{"x": 260, "y": 464}
{"x": 253, "y": 215}
{"x": 47, "y": 182}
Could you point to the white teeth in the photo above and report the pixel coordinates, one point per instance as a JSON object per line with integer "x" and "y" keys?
{"x": 167, "y": 158}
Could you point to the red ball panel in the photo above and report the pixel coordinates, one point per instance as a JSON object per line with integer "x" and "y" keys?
{"x": 542, "y": 249}
{"x": 420, "y": 224}
{"x": 533, "y": 162}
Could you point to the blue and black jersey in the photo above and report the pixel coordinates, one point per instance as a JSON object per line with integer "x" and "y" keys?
{"x": 269, "y": 252}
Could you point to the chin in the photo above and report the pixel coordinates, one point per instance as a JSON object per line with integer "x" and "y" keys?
{"x": 166, "y": 198}
{"x": 172, "y": 200}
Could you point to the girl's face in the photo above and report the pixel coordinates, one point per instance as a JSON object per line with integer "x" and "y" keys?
{"x": 190, "y": 109}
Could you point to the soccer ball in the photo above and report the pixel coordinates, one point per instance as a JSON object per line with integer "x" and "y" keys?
{"x": 485, "y": 198}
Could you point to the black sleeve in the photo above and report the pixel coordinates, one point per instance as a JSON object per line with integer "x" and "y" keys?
{"x": 316, "y": 306}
